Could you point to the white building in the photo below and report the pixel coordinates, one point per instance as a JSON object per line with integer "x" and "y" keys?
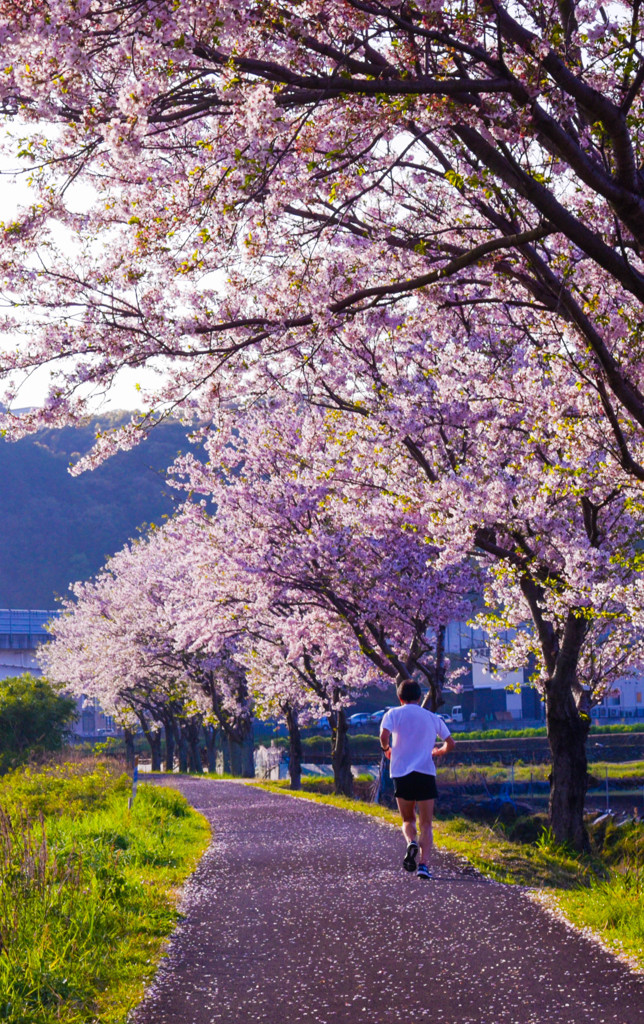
{"x": 501, "y": 695}
{"x": 487, "y": 693}
{"x": 625, "y": 700}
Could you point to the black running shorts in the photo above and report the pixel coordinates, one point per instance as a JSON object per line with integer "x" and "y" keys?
{"x": 415, "y": 786}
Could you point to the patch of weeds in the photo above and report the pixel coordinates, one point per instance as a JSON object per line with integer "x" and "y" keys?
{"x": 88, "y": 897}
{"x": 612, "y": 903}
{"x": 61, "y": 789}
{"x": 613, "y": 907}
{"x": 529, "y": 828}
{"x": 317, "y": 783}
{"x": 492, "y": 852}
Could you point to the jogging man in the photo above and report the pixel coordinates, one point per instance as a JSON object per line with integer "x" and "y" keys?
{"x": 408, "y": 737}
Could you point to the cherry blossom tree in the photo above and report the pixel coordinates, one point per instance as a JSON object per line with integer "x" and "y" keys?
{"x": 293, "y": 658}
{"x": 531, "y": 488}
{"x": 304, "y": 667}
{"x": 115, "y": 642}
{"x": 426, "y": 217}
{"x": 95, "y": 653}
{"x": 551, "y": 521}
{"x": 267, "y": 660}
{"x": 325, "y": 559}
{"x": 333, "y": 160}
{"x": 222, "y": 678}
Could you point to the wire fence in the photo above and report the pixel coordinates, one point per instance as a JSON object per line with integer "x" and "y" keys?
{"x": 609, "y": 788}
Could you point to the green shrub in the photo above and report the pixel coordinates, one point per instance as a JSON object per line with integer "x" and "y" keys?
{"x": 363, "y": 742}
{"x": 527, "y": 829}
{"x": 619, "y": 845}
{"x": 34, "y": 718}
{"x": 521, "y": 734}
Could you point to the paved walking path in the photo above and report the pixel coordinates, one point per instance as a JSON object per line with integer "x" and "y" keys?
{"x": 300, "y": 912}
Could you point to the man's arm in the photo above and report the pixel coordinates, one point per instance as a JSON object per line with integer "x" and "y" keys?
{"x": 385, "y": 737}
{"x": 447, "y": 745}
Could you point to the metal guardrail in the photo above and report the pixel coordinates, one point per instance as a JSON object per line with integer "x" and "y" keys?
{"x": 26, "y": 620}
{"x": 24, "y": 628}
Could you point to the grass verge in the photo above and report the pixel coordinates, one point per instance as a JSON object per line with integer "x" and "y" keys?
{"x": 603, "y": 892}
{"x": 367, "y": 745}
{"x": 89, "y": 891}
{"x": 626, "y": 771}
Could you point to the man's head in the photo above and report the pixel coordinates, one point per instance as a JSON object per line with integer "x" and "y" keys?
{"x": 408, "y": 691}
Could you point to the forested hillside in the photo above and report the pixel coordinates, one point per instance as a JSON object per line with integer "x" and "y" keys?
{"x": 57, "y": 528}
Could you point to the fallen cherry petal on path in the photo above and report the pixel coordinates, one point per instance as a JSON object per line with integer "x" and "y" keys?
{"x": 300, "y": 912}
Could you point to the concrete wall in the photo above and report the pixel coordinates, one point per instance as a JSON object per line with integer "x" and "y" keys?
{"x": 17, "y": 662}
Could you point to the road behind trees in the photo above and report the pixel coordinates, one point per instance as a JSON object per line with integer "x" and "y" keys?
{"x": 300, "y": 912}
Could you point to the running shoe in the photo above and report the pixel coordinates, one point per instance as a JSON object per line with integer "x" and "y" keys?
{"x": 409, "y": 863}
{"x": 423, "y": 872}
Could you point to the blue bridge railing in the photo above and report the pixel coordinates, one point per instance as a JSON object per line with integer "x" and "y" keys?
{"x": 24, "y": 628}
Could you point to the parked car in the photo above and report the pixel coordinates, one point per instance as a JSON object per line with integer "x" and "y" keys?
{"x": 361, "y": 718}
{"x": 457, "y": 713}
{"x": 323, "y": 724}
{"x": 378, "y": 716}
{"x": 446, "y": 718}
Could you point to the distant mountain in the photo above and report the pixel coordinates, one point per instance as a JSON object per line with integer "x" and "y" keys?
{"x": 56, "y": 528}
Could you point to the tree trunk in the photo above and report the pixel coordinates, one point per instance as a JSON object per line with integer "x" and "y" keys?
{"x": 154, "y": 740}
{"x": 153, "y": 737}
{"x": 294, "y": 747}
{"x": 129, "y": 749}
{"x": 242, "y": 763}
{"x": 210, "y": 734}
{"x": 435, "y": 674}
{"x": 340, "y": 754}
{"x": 567, "y": 719}
{"x": 194, "y": 765}
{"x": 192, "y": 729}
{"x": 234, "y": 747}
{"x": 169, "y": 745}
{"x": 223, "y": 753}
{"x": 182, "y": 745}
{"x": 567, "y": 734}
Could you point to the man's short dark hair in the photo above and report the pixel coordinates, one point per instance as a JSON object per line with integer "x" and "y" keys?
{"x": 408, "y": 690}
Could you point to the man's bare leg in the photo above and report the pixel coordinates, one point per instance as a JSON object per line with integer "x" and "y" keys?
{"x": 425, "y": 821}
{"x": 407, "y": 810}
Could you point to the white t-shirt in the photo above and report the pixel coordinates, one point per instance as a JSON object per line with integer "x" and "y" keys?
{"x": 413, "y": 736}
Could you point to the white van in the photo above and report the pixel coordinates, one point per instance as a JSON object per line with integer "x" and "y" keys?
{"x": 457, "y": 713}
